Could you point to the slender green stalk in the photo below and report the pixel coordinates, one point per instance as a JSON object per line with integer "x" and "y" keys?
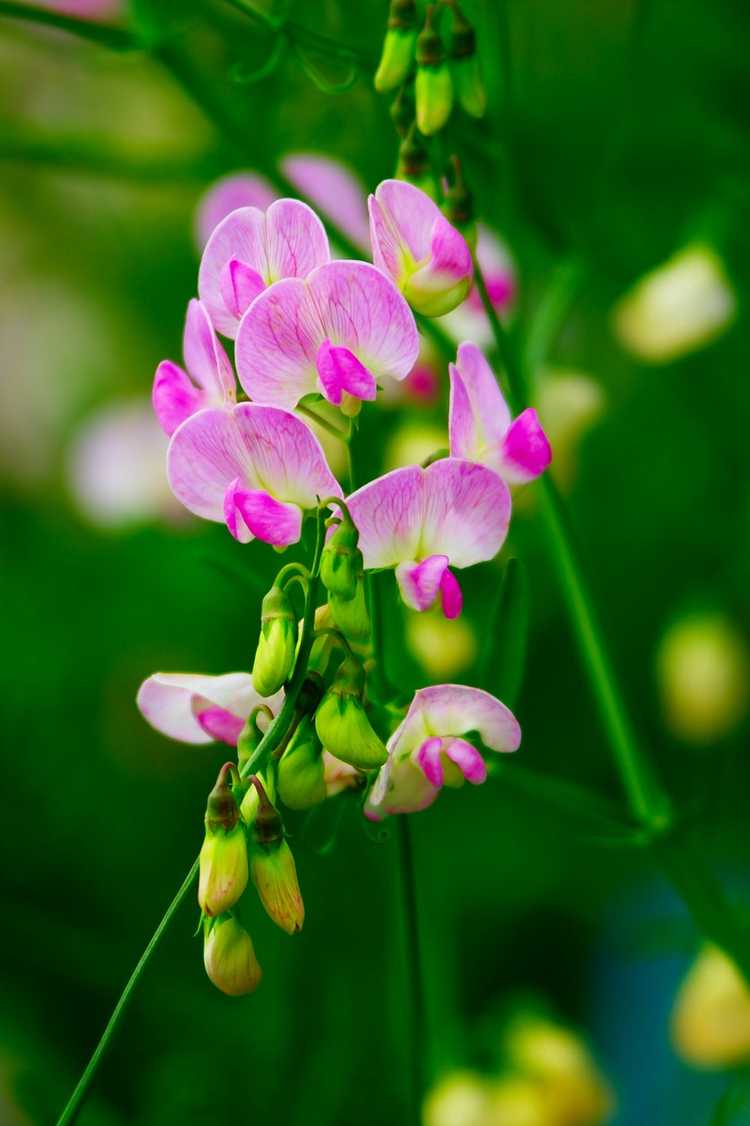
{"x": 323, "y": 423}
{"x": 116, "y": 38}
{"x": 75, "y": 1102}
{"x": 418, "y": 1024}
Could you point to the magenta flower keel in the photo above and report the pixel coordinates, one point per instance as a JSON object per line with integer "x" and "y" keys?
{"x": 338, "y": 331}
{"x": 480, "y": 424}
{"x": 193, "y": 708}
{"x": 413, "y": 242}
{"x": 423, "y": 521}
{"x": 207, "y": 382}
{"x": 250, "y": 250}
{"x": 428, "y": 751}
{"x": 255, "y": 468}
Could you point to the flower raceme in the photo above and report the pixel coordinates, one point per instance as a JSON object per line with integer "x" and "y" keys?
{"x": 423, "y": 521}
{"x": 413, "y": 242}
{"x": 208, "y": 380}
{"x": 428, "y": 749}
{"x": 480, "y": 424}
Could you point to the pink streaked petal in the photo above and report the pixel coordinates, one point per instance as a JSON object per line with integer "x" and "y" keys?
{"x": 333, "y": 189}
{"x": 456, "y": 709}
{"x": 449, "y": 250}
{"x": 419, "y": 583}
{"x": 288, "y": 460}
{"x": 408, "y": 214}
{"x": 360, "y": 309}
{"x": 233, "y": 516}
{"x": 467, "y": 759}
{"x": 491, "y": 416}
{"x": 171, "y": 701}
{"x": 240, "y": 236}
{"x": 240, "y": 284}
{"x": 388, "y": 516}
{"x": 277, "y": 345}
{"x": 221, "y": 725}
{"x": 240, "y": 189}
{"x": 174, "y": 396}
{"x": 428, "y": 760}
{"x": 466, "y": 512}
{"x": 268, "y": 519}
{"x": 205, "y": 455}
{"x": 525, "y": 449}
{"x": 451, "y": 597}
{"x": 296, "y": 241}
{"x": 205, "y": 359}
{"x": 387, "y": 251}
{"x": 340, "y": 370}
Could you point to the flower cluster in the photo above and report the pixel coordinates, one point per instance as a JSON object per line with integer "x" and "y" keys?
{"x": 315, "y": 717}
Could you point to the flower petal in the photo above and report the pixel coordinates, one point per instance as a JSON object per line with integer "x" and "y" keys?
{"x": 401, "y": 215}
{"x": 220, "y": 725}
{"x": 205, "y": 455}
{"x": 170, "y": 702}
{"x": 400, "y": 787}
{"x": 468, "y": 759}
{"x": 240, "y": 189}
{"x": 232, "y": 515}
{"x": 388, "y": 514}
{"x": 277, "y": 345}
{"x": 466, "y": 512}
{"x": 174, "y": 396}
{"x": 240, "y": 285}
{"x": 296, "y": 241}
{"x": 333, "y": 189}
{"x": 287, "y": 458}
{"x": 427, "y": 759}
{"x": 479, "y": 415}
{"x": 419, "y": 583}
{"x": 340, "y": 370}
{"x": 525, "y": 450}
{"x": 451, "y": 597}
{"x": 241, "y": 236}
{"x": 205, "y": 359}
{"x": 268, "y": 519}
{"x": 456, "y": 709}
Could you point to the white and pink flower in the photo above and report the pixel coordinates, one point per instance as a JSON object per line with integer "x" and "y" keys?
{"x": 208, "y": 381}
{"x": 200, "y": 709}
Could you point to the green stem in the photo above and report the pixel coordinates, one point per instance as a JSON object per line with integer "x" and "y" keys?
{"x": 418, "y": 1024}
{"x": 74, "y": 1103}
{"x": 116, "y": 38}
{"x": 324, "y": 424}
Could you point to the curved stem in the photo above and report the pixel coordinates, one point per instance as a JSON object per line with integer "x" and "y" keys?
{"x": 74, "y": 1103}
{"x": 116, "y": 38}
{"x": 323, "y": 423}
{"x": 417, "y": 1040}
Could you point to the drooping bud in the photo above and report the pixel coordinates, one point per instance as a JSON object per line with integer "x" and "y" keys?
{"x": 458, "y": 206}
{"x": 414, "y": 163}
{"x": 341, "y": 563}
{"x": 274, "y": 657}
{"x": 301, "y": 771}
{"x": 403, "y": 109}
{"x": 250, "y": 802}
{"x": 351, "y": 616}
{"x": 467, "y": 77}
{"x": 434, "y": 86}
{"x": 229, "y": 957}
{"x": 251, "y": 734}
{"x": 342, "y": 724}
{"x": 398, "y": 46}
{"x": 223, "y": 856}
{"x": 273, "y": 870}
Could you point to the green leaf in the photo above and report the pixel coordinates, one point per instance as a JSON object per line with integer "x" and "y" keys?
{"x": 501, "y": 665}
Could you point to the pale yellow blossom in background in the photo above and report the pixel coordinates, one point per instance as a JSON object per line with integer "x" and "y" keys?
{"x": 711, "y": 1014}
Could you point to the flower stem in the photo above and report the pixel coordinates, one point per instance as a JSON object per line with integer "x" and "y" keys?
{"x": 74, "y": 1103}
{"x": 417, "y": 1030}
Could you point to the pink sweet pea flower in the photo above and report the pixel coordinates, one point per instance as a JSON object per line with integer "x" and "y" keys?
{"x": 423, "y": 521}
{"x": 208, "y": 381}
{"x": 480, "y": 424}
{"x": 336, "y": 332}
{"x": 334, "y": 190}
{"x": 428, "y": 751}
{"x": 239, "y": 189}
{"x": 254, "y": 467}
{"x": 250, "y": 250}
{"x": 200, "y": 709}
{"x": 413, "y": 242}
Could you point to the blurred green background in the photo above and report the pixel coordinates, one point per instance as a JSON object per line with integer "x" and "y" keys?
{"x": 619, "y": 135}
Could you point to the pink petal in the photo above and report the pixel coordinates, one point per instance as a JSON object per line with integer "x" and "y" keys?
{"x": 240, "y": 189}
{"x": 404, "y": 217}
{"x": 174, "y": 396}
{"x": 450, "y": 252}
{"x": 385, "y": 238}
{"x": 240, "y": 236}
{"x": 277, "y": 345}
{"x": 205, "y": 455}
{"x": 388, "y": 515}
{"x": 456, "y": 709}
{"x": 468, "y": 759}
{"x": 221, "y": 725}
{"x": 400, "y": 787}
{"x": 333, "y": 189}
{"x": 296, "y": 241}
{"x": 205, "y": 359}
{"x": 239, "y": 285}
{"x": 232, "y": 514}
{"x": 340, "y": 370}
{"x": 287, "y": 458}
{"x": 525, "y": 449}
{"x": 479, "y": 415}
{"x": 451, "y": 598}
{"x": 268, "y": 519}
{"x": 466, "y": 512}
{"x": 428, "y": 759}
{"x": 419, "y": 583}
{"x": 170, "y": 702}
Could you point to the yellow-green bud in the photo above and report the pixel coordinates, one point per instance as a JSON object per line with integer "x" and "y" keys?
{"x": 274, "y": 874}
{"x": 342, "y": 724}
{"x": 398, "y": 46}
{"x": 274, "y": 657}
{"x": 414, "y": 163}
{"x": 467, "y": 76}
{"x": 350, "y": 614}
{"x": 301, "y": 775}
{"x": 341, "y": 563}
{"x": 223, "y": 856}
{"x": 250, "y": 802}
{"x": 434, "y": 87}
{"x": 403, "y": 109}
{"x": 229, "y": 957}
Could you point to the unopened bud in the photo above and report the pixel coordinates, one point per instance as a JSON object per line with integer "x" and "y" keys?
{"x": 274, "y": 657}
{"x": 403, "y": 109}
{"x": 229, "y": 957}
{"x": 341, "y": 563}
{"x": 467, "y": 77}
{"x": 398, "y": 46}
{"x": 301, "y": 771}
{"x": 350, "y": 614}
{"x": 414, "y": 163}
{"x": 711, "y": 1016}
{"x": 223, "y": 856}
{"x": 434, "y": 86}
{"x": 250, "y": 802}
{"x": 342, "y": 724}
{"x": 458, "y": 206}
{"x": 273, "y": 870}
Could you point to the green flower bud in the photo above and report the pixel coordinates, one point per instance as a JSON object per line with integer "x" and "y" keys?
{"x": 341, "y": 563}
{"x": 250, "y": 802}
{"x": 223, "y": 856}
{"x": 274, "y": 657}
{"x": 301, "y": 780}
{"x": 414, "y": 163}
{"x": 229, "y": 957}
{"x": 403, "y": 109}
{"x": 350, "y": 614}
{"x": 467, "y": 77}
{"x": 398, "y": 46}
{"x": 274, "y": 874}
{"x": 434, "y": 87}
{"x": 342, "y": 724}
{"x": 458, "y": 206}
